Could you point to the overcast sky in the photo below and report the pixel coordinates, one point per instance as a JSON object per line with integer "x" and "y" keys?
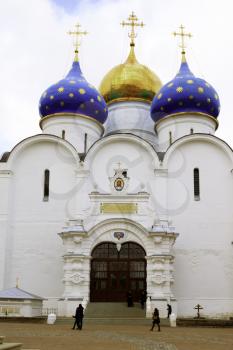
{"x": 36, "y": 51}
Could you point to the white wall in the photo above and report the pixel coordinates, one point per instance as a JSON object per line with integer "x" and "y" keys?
{"x": 203, "y": 251}
{"x": 34, "y": 250}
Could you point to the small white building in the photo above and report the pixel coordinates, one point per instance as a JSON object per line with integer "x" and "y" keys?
{"x": 124, "y": 189}
{"x": 15, "y": 302}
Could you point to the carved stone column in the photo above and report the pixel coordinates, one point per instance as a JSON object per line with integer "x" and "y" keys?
{"x": 76, "y": 263}
{"x": 160, "y": 267}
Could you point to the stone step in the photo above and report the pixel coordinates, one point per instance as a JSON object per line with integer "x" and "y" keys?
{"x": 113, "y": 310}
{"x": 15, "y": 346}
{"x": 2, "y": 339}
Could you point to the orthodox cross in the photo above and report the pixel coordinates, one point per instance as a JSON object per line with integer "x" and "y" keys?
{"x": 77, "y": 33}
{"x": 133, "y": 22}
{"x": 198, "y": 307}
{"x": 182, "y": 35}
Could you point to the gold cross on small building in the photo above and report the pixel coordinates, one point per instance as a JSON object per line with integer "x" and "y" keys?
{"x": 182, "y": 35}
{"x": 132, "y": 22}
{"x": 77, "y": 33}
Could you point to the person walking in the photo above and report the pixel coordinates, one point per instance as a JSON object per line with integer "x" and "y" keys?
{"x": 155, "y": 319}
{"x": 169, "y": 310}
{"x": 78, "y": 317}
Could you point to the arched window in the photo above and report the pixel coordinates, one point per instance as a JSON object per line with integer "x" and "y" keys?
{"x": 196, "y": 184}
{"x": 170, "y": 137}
{"x": 63, "y": 134}
{"x": 46, "y": 185}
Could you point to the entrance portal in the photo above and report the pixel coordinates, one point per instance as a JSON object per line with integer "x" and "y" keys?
{"x": 114, "y": 273}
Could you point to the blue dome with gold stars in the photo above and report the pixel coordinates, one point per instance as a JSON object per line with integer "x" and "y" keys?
{"x": 185, "y": 94}
{"x": 73, "y": 95}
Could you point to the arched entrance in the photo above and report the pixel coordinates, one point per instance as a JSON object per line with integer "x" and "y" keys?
{"x": 114, "y": 273}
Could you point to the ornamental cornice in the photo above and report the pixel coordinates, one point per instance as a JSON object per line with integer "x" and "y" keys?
{"x": 7, "y": 173}
{"x": 108, "y": 197}
{"x": 76, "y": 257}
{"x": 160, "y": 258}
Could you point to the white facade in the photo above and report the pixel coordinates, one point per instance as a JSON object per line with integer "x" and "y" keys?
{"x": 48, "y": 243}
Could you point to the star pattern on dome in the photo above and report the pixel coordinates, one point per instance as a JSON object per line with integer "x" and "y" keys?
{"x": 73, "y": 94}
{"x": 82, "y": 91}
{"x": 179, "y": 89}
{"x": 185, "y": 93}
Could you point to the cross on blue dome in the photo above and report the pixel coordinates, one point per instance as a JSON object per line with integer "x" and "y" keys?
{"x": 185, "y": 94}
{"x": 74, "y": 95}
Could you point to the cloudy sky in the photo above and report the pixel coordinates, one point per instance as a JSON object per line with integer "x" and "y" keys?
{"x": 36, "y": 51}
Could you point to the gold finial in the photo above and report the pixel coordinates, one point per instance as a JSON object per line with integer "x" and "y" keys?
{"x": 17, "y": 282}
{"x": 132, "y": 22}
{"x": 77, "y": 33}
{"x": 182, "y": 35}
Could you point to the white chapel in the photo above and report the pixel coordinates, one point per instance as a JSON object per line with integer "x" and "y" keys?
{"x": 127, "y": 188}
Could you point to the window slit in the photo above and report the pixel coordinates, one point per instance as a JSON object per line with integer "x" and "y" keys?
{"x": 46, "y": 185}
{"x": 196, "y": 184}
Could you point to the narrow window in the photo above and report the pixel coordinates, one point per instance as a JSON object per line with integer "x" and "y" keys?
{"x": 196, "y": 184}
{"x": 85, "y": 143}
{"x": 191, "y": 131}
{"x": 170, "y": 137}
{"x": 46, "y": 185}
{"x": 63, "y": 134}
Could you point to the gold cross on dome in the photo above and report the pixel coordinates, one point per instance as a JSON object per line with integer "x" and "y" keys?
{"x": 77, "y": 33}
{"x": 133, "y": 22}
{"x": 182, "y": 35}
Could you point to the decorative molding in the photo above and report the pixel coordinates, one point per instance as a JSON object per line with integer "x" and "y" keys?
{"x": 158, "y": 278}
{"x": 76, "y": 278}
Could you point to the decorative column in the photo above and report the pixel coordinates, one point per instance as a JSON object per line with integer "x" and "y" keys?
{"x": 160, "y": 268}
{"x": 76, "y": 266}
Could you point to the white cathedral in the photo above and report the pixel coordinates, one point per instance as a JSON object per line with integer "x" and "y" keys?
{"x": 126, "y": 189}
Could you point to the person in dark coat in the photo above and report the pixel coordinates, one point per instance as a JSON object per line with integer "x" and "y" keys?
{"x": 155, "y": 319}
{"x": 169, "y": 310}
{"x": 130, "y": 298}
{"x": 78, "y": 317}
{"x": 143, "y": 299}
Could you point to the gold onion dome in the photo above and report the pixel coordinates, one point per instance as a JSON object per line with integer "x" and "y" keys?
{"x": 130, "y": 81}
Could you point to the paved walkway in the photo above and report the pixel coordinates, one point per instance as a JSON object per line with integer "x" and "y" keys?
{"x": 117, "y": 337}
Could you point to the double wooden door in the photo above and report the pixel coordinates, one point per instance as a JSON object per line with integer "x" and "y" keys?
{"x": 114, "y": 273}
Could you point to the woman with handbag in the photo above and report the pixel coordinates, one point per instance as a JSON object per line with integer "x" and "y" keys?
{"x": 155, "y": 319}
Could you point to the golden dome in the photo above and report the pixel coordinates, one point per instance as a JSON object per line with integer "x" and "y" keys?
{"x": 130, "y": 81}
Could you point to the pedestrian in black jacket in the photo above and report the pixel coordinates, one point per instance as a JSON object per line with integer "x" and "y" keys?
{"x": 169, "y": 310}
{"x": 78, "y": 317}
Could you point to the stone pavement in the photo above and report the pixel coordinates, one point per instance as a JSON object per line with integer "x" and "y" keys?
{"x": 116, "y": 337}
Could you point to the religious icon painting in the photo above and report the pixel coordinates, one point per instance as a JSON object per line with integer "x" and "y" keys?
{"x": 119, "y": 184}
